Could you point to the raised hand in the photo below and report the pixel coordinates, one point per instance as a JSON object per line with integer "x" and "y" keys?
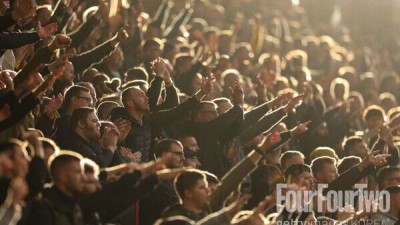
{"x": 373, "y": 159}
{"x": 46, "y": 31}
{"x": 280, "y": 100}
{"x": 300, "y": 129}
{"x": 110, "y": 138}
{"x": 237, "y": 94}
{"x": 269, "y": 142}
{"x": 60, "y": 62}
{"x": 121, "y": 36}
{"x": 261, "y": 89}
{"x": 6, "y": 79}
{"x": 159, "y": 67}
{"x": 124, "y": 127}
{"x": 206, "y": 88}
{"x": 103, "y": 10}
{"x": 60, "y": 41}
{"x": 53, "y": 105}
{"x": 293, "y": 103}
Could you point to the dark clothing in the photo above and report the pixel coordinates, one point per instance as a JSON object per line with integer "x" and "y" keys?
{"x": 6, "y": 21}
{"x": 79, "y": 35}
{"x": 43, "y": 55}
{"x": 154, "y": 91}
{"x": 116, "y": 197}
{"x": 87, "y": 59}
{"x": 214, "y": 136}
{"x": 143, "y": 133}
{"x": 93, "y": 151}
{"x": 56, "y": 208}
{"x": 394, "y": 152}
{"x": 179, "y": 210}
{"x": 16, "y": 40}
{"x": 19, "y": 109}
{"x": 45, "y": 124}
{"x": 151, "y": 207}
{"x": 62, "y": 128}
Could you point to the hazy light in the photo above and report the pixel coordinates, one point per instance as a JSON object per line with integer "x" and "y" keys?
{"x": 296, "y": 2}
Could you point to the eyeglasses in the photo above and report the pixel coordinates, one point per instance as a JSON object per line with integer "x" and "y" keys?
{"x": 180, "y": 154}
{"x": 89, "y": 100}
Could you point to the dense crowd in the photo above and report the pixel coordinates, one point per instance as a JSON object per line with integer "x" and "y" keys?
{"x": 204, "y": 112}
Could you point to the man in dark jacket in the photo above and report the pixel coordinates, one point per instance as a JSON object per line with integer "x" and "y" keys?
{"x": 59, "y": 204}
{"x": 85, "y": 134}
{"x": 144, "y": 124}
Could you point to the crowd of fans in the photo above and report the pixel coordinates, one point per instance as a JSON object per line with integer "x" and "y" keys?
{"x": 193, "y": 112}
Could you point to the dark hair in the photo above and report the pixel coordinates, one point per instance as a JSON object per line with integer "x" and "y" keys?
{"x": 288, "y": 156}
{"x": 296, "y": 169}
{"x": 125, "y": 94}
{"x": 348, "y": 162}
{"x": 373, "y": 111}
{"x": 211, "y": 178}
{"x": 80, "y": 114}
{"x": 101, "y": 109}
{"x": 350, "y": 142}
{"x": 187, "y": 180}
{"x": 165, "y": 146}
{"x": 133, "y": 83}
{"x": 218, "y": 101}
{"x": 136, "y": 73}
{"x": 200, "y": 107}
{"x": 73, "y": 91}
{"x": 59, "y": 161}
{"x": 152, "y": 42}
{"x": 181, "y": 58}
{"x": 319, "y": 163}
{"x": 385, "y": 172}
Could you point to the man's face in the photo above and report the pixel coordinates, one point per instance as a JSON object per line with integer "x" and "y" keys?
{"x": 92, "y": 93}
{"x": 90, "y": 184}
{"x": 116, "y": 59}
{"x": 74, "y": 177}
{"x": 84, "y": 99}
{"x": 224, "y": 106}
{"x": 395, "y": 201}
{"x": 69, "y": 75}
{"x": 328, "y": 173}
{"x": 393, "y": 179}
{"x": 200, "y": 195}
{"x": 191, "y": 143}
{"x": 208, "y": 113}
{"x": 152, "y": 52}
{"x": 178, "y": 157}
{"x": 92, "y": 127}
{"x": 192, "y": 162}
{"x": 305, "y": 179}
{"x": 139, "y": 99}
{"x": 359, "y": 149}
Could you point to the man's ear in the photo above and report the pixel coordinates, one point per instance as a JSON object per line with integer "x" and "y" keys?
{"x": 187, "y": 194}
{"x": 74, "y": 99}
{"x": 81, "y": 124}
